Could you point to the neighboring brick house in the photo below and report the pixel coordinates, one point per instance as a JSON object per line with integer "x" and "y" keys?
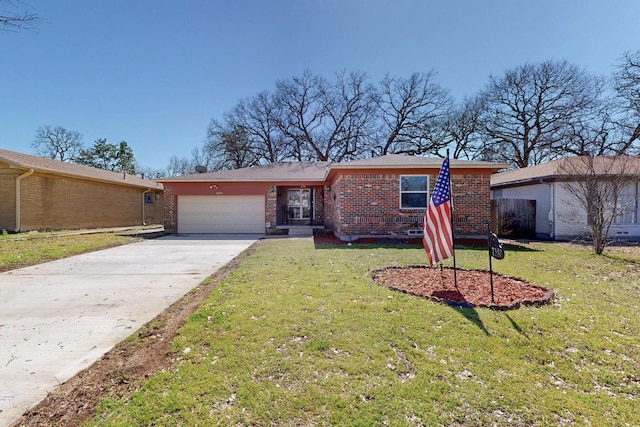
{"x": 378, "y": 197}
{"x": 43, "y": 194}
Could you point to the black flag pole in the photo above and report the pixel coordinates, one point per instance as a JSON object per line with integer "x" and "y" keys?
{"x": 490, "y": 265}
{"x": 495, "y": 251}
{"x": 453, "y": 241}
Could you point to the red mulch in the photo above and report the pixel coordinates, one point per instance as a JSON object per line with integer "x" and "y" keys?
{"x": 473, "y": 287}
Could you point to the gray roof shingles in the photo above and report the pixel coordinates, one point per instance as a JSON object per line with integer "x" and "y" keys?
{"x": 403, "y": 161}
{"x": 293, "y": 171}
{"x": 42, "y": 164}
{"x": 317, "y": 171}
{"x": 565, "y": 167}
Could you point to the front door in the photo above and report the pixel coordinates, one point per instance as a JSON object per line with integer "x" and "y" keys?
{"x": 299, "y": 203}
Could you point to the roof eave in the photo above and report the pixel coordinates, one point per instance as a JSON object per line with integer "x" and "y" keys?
{"x": 525, "y": 181}
{"x": 319, "y": 180}
{"x": 153, "y": 184}
{"x": 493, "y": 166}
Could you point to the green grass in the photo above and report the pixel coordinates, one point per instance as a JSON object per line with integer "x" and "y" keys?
{"x": 299, "y": 335}
{"x": 24, "y": 249}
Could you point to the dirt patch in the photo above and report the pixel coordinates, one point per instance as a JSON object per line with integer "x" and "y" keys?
{"x": 121, "y": 371}
{"x": 469, "y": 288}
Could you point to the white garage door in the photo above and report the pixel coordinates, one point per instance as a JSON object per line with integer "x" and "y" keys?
{"x": 221, "y": 214}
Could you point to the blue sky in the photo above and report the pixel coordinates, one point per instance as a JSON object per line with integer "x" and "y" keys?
{"x": 155, "y": 72}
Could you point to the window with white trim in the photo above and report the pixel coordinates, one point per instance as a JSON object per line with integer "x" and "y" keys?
{"x": 627, "y": 212}
{"x": 414, "y": 191}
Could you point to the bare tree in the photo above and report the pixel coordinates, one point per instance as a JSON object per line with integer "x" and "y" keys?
{"x": 229, "y": 146}
{"x": 412, "y": 111}
{"x": 322, "y": 120}
{"x": 149, "y": 172}
{"x": 300, "y": 112}
{"x": 14, "y": 21}
{"x": 601, "y": 130}
{"x": 256, "y": 116}
{"x": 598, "y": 183}
{"x": 527, "y": 110}
{"x": 57, "y": 143}
{"x": 462, "y": 130}
{"x": 187, "y": 165}
{"x": 180, "y": 166}
{"x": 627, "y": 85}
{"x": 350, "y": 104}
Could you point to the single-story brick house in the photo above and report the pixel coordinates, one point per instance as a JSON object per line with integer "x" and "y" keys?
{"x": 377, "y": 197}
{"x": 558, "y": 215}
{"x": 44, "y": 194}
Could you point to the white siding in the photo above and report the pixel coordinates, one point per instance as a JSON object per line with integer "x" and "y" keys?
{"x": 541, "y": 193}
{"x": 570, "y": 217}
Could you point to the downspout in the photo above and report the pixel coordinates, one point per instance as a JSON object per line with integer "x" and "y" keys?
{"x": 143, "y": 193}
{"x": 18, "y": 210}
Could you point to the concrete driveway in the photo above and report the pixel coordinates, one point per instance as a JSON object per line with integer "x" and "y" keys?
{"x": 60, "y": 317}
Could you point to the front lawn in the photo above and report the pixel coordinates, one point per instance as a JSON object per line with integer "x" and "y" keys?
{"x": 25, "y": 249}
{"x": 299, "y": 335}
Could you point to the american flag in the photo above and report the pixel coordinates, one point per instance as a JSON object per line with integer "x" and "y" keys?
{"x": 437, "y": 235}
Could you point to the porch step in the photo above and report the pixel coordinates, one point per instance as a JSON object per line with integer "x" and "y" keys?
{"x": 300, "y": 231}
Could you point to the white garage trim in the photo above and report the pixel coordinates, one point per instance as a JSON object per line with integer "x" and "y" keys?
{"x": 221, "y": 214}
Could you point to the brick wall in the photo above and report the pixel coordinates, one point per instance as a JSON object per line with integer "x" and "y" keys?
{"x": 472, "y": 204}
{"x": 330, "y": 194}
{"x": 8, "y": 201}
{"x": 170, "y": 218}
{"x": 154, "y": 211}
{"x": 271, "y": 209}
{"x": 53, "y": 202}
{"x": 369, "y": 205}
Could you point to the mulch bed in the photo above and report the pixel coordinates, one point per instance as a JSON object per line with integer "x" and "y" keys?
{"x": 471, "y": 288}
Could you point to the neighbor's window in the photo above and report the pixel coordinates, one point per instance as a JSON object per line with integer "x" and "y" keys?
{"x": 148, "y": 198}
{"x": 628, "y": 205}
{"x": 414, "y": 190}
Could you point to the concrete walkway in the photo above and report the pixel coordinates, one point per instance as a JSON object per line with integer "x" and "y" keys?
{"x": 60, "y": 317}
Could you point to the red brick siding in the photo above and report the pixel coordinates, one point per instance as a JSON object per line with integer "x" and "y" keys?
{"x": 271, "y": 206}
{"x": 329, "y": 206}
{"x": 368, "y": 204}
{"x": 170, "y": 219}
{"x": 471, "y": 203}
{"x": 318, "y": 204}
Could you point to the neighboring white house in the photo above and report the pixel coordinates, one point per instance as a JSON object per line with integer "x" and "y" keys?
{"x": 559, "y": 216}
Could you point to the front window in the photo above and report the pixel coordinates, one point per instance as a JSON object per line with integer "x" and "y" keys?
{"x": 414, "y": 190}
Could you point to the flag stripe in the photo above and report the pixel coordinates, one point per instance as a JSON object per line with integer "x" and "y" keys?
{"x": 437, "y": 233}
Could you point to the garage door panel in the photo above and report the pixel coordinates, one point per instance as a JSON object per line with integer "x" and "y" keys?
{"x": 221, "y": 214}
